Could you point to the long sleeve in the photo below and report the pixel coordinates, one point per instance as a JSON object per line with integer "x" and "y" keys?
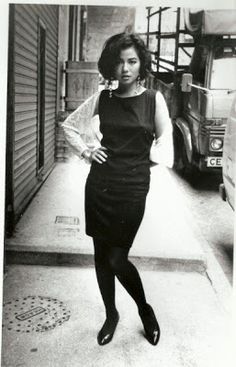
{"x": 78, "y": 127}
{"x": 162, "y": 150}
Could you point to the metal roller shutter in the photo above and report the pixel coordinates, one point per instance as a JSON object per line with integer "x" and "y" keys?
{"x": 27, "y": 91}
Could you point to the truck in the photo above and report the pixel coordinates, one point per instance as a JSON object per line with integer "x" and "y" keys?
{"x": 196, "y": 73}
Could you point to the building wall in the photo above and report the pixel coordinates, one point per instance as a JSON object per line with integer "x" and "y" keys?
{"x": 104, "y": 21}
{"x": 24, "y": 95}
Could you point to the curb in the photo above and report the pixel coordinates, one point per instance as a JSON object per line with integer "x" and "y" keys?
{"x": 52, "y": 258}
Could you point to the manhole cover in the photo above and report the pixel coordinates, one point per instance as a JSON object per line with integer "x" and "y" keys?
{"x": 34, "y": 313}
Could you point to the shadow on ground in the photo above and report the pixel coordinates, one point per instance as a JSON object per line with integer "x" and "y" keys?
{"x": 203, "y": 181}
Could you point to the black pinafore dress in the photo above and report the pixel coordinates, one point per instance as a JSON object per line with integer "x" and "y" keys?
{"x": 115, "y": 191}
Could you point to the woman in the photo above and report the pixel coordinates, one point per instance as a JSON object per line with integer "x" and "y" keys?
{"x": 118, "y": 182}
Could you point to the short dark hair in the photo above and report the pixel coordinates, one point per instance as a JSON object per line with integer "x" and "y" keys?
{"x": 111, "y": 52}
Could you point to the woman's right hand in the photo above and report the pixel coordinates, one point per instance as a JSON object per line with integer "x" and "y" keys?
{"x": 98, "y": 155}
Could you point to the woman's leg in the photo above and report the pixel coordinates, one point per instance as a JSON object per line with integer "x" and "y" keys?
{"x": 128, "y": 275}
{"x": 131, "y": 281}
{"x": 105, "y": 276}
{"x": 106, "y": 283}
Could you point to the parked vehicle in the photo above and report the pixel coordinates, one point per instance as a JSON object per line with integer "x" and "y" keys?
{"x": 198, "y": 93}
{"x": 227, "y": 188}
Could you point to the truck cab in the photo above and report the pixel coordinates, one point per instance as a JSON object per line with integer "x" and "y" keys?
{"x": 207, "y": 105}
{"x": 198, "y": 92}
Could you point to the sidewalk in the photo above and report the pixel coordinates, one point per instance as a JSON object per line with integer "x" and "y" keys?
{"x": 52, "y": 313}
{"x": 51, "y": 230}
{"x": 194, "y": 326}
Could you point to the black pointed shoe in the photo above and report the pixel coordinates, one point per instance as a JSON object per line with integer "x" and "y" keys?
{"x": 106, "y": 333}
{"x": 150, "y": 325}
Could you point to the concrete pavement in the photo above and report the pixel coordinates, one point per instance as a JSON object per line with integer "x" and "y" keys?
{"x": 194, "y": 325}
{"x": 182, "y": 279}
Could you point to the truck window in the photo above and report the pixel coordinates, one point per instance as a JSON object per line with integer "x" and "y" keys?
{"x": 198, "y": 64}
{"x": 223, "y": 68}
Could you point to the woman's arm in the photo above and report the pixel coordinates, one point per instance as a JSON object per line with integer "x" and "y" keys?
{"x": 78, "y": 129}
{"x": 162, "y": 119}
{"x": 162, "y": 151}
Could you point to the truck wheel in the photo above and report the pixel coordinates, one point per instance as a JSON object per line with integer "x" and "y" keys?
{"x": 178, "y": 145}
{"x": 189, "y": 171}
{"x": 181, "y": 163}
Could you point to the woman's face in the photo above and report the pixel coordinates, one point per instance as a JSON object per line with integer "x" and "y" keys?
{"x": 128, "y": 67}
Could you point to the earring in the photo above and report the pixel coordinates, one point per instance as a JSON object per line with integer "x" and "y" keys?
{"x": 110, "y": 88}
{"x": 138, "y": 83}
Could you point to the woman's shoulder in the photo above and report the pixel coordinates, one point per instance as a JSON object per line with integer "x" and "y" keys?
{"x": 104, "y": 95}
{"x": 104, "y": 92}
{"x": 155, "y": 95}
{"x": 151, "y": 92}
{"x": 150, "y": 96}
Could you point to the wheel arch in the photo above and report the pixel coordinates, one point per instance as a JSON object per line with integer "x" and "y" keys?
{"x": 184, "y": 131}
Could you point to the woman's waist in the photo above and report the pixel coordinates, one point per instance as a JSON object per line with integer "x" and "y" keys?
{"x": 104, "y": 175}
{"x": 116, "y": 189}
{"x": 126, "y": 170}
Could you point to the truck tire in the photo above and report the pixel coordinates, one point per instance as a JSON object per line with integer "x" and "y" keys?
{"x": 190, "y": 171}
{"x": 178, "y": 144}
{"x": 181, "y": 162}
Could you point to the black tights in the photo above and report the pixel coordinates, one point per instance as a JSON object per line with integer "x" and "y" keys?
{"x": 111, "y": 262}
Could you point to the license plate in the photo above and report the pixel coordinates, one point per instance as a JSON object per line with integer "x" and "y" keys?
{"x": 214, "y": 161}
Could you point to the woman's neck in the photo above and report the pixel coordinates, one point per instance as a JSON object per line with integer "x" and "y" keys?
{"x": 129, "y": 91}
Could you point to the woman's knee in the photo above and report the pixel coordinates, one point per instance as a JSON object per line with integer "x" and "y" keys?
{"x": 100, "y": 253}
{"x": 118, "y": 259}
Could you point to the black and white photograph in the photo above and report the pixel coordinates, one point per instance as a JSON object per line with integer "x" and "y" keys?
{"x": 118, "y": 150}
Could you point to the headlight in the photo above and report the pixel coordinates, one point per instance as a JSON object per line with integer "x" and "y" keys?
{"x": 216, "y": 143}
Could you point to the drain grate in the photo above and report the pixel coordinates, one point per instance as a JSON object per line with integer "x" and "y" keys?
{"x": 67, "y": 220}
{"x": 34, "y": 314}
